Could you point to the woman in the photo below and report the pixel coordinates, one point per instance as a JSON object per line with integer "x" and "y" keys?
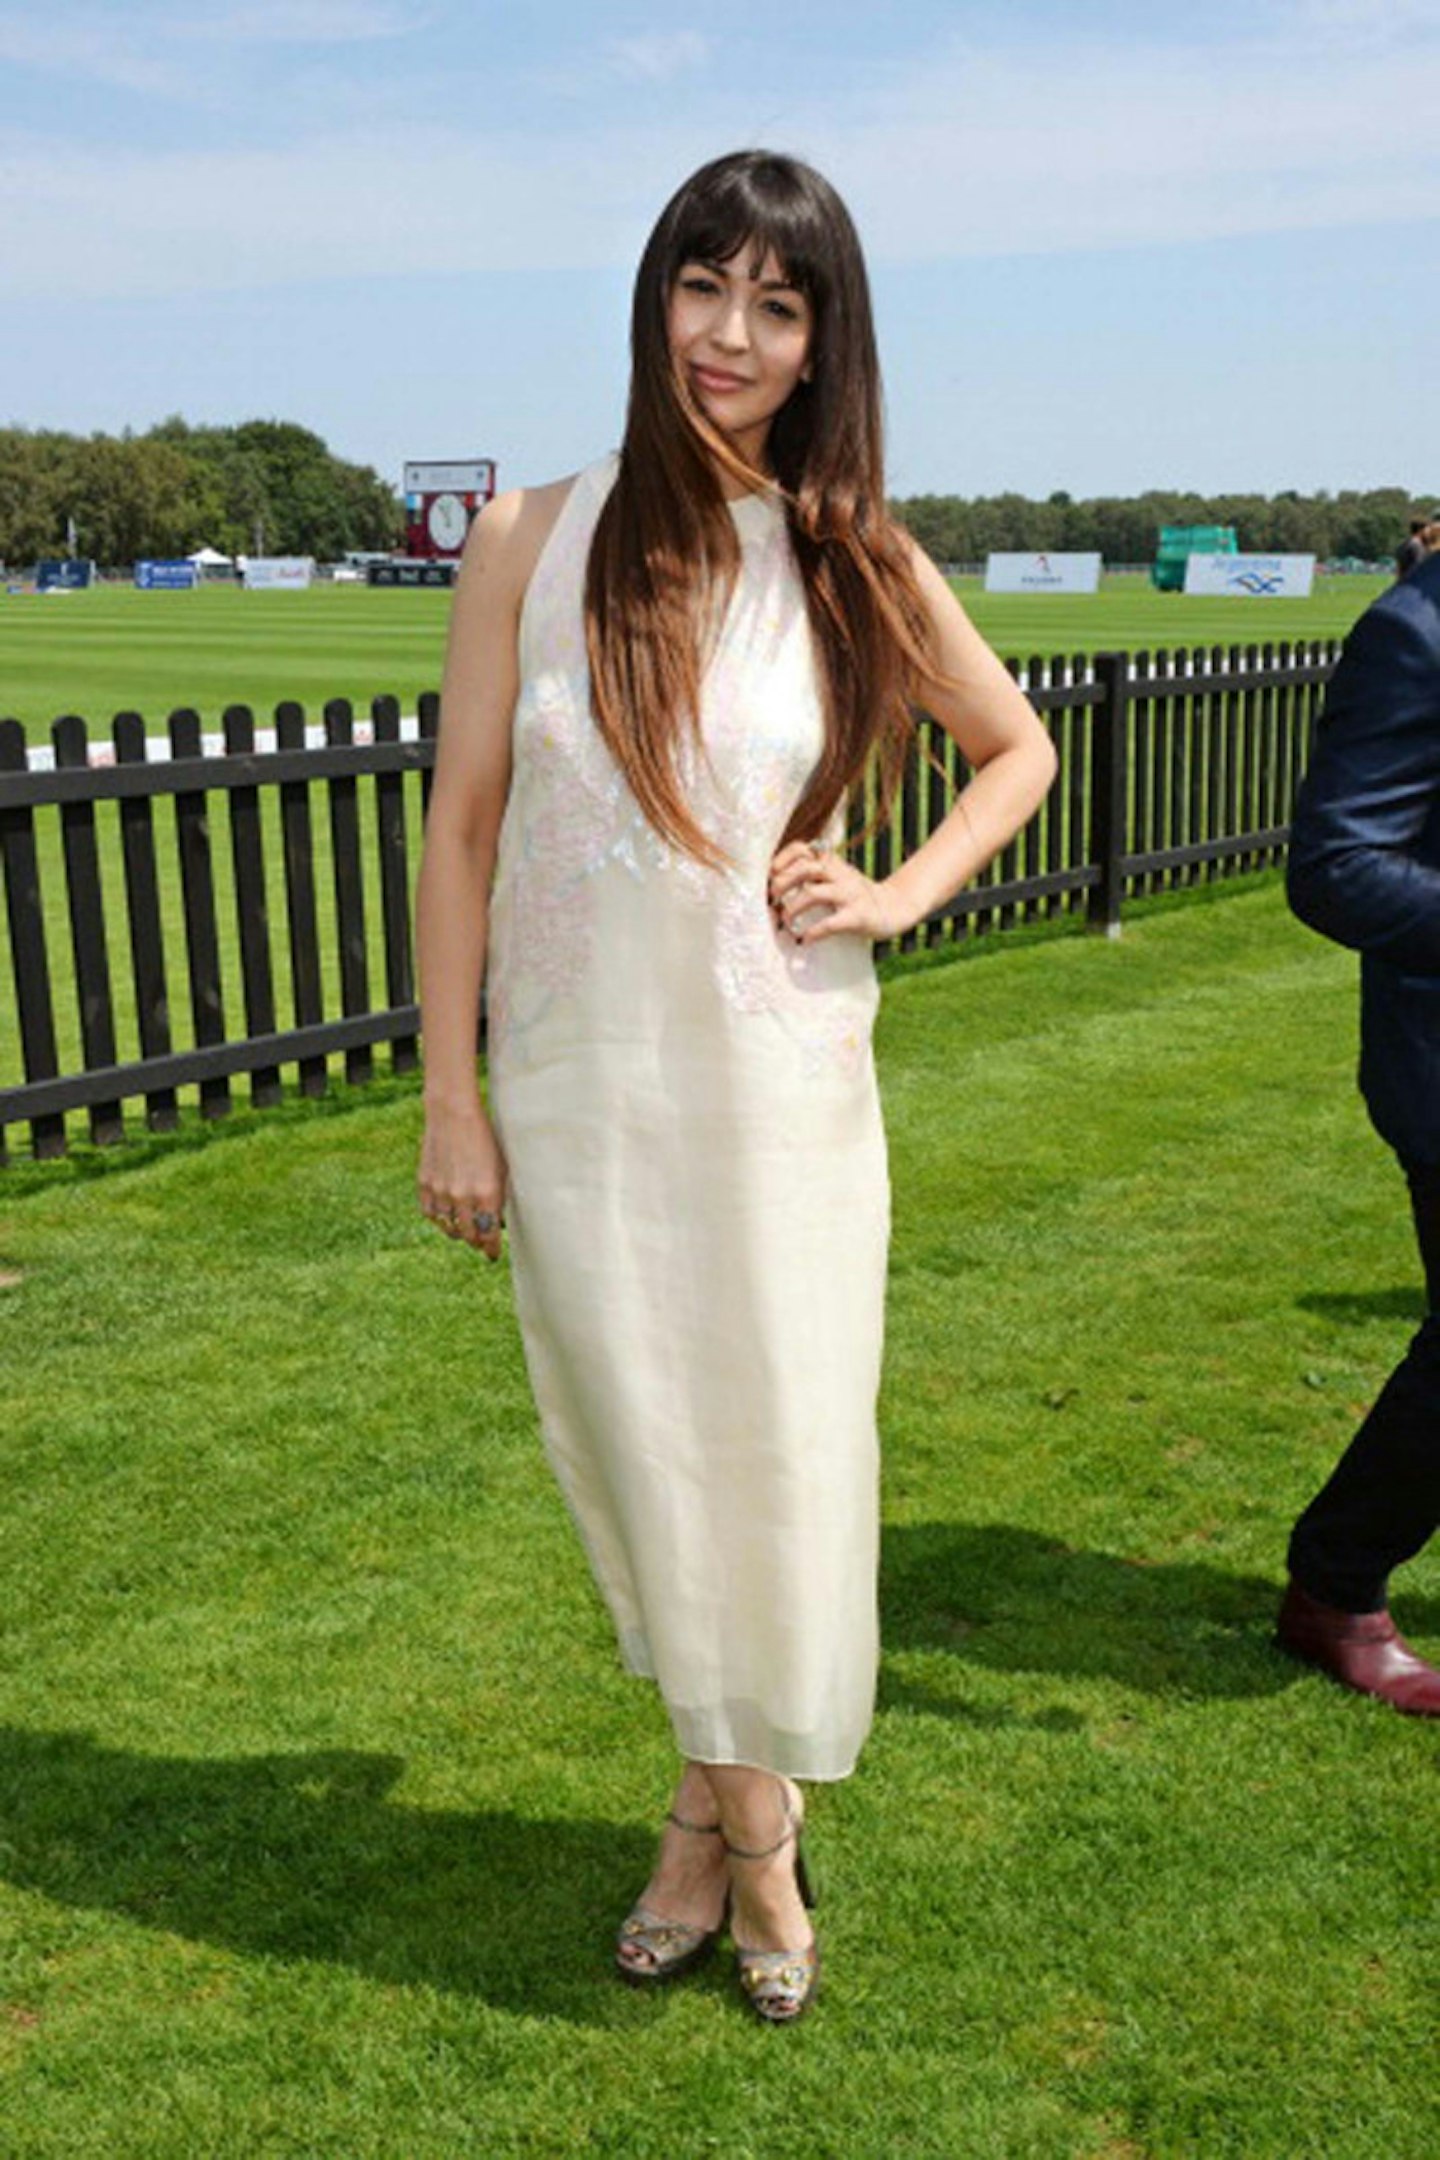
{"x": 667, "y": 681}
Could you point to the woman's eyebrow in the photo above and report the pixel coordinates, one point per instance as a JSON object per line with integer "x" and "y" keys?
{"x": 722, "y": 270}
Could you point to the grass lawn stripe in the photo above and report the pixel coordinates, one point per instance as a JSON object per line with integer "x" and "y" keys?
{"x": 114, "y": 649}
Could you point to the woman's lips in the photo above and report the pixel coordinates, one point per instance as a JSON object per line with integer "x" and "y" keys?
{"x": 715, "y": 379}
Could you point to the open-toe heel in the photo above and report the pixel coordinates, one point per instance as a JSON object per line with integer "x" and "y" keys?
{"x": 660, "y": 1949}
{"x": 780, "y": 1985}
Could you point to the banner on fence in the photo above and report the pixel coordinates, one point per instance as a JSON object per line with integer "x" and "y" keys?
{"x": 166, "y": 576}
{"x": 1251, "y": 577}
{"x": 1042, "y": 573}
{"x": 411, "y": 573}
{"x": 71, "y": 575}
{"x": 278, "y": 573}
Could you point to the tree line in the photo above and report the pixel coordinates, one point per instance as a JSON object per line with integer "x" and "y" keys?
{"x": 264, "y": 487}
{"x": 271, "y": 487}
{"x": 1365, "y": 525}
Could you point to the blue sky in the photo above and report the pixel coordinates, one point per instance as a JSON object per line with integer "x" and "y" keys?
{"x": 1113, "y": 246}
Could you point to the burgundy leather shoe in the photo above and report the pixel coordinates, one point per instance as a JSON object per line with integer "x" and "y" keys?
{"x": 1365, "y": 1651}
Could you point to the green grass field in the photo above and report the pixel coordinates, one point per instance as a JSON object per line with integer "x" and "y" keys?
{"x": 1128, "y": 615}
{"x": 114, "y": 649}
{"x": 321, "y": 1789}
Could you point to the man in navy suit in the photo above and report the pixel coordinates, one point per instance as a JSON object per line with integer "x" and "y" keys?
{"x": 1365, "y": 869}
{"x": 1424, "y": 536}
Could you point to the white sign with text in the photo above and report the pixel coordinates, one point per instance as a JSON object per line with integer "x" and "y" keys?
{"x": 453, "y": 476}
{"x": 1042, "y": 573}
{"x": 1251, "y": 577}
{"x": 278, "y": 573}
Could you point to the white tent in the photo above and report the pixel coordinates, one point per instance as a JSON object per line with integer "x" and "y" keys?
{"x": 208, "y": 558}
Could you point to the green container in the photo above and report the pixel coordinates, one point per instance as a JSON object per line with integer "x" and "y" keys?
{"x": 1179, "y": 542}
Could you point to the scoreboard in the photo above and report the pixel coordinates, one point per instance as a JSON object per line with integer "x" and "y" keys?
{"x": 441, "y": 497}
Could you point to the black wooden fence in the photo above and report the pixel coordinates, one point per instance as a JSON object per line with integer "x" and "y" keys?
{"x": 1174, "y": 769}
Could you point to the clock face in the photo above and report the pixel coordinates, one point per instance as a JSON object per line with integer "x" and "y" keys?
{"x": 448, "y": 523}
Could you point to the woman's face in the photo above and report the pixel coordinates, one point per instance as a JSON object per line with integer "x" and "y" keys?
{"x": 741, "y": 337}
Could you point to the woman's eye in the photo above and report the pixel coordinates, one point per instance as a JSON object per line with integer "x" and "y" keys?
{"x": 783, "y": 310}
{"x": 697, "y": 284}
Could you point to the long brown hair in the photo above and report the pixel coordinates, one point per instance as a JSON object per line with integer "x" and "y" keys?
{"x": 665, "y": 539}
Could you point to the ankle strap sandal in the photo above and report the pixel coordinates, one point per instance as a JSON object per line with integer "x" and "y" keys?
{"x": 780, "y": 1985}
{"x": 649, "y": 1949}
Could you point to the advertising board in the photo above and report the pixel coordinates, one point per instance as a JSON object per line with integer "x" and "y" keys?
{"x": 70, "y": 575}
{"x": 166, "y": 576}
{"x": 411, "y": 573}
{"x": 1042, "y": 573}
{"x": 1251, "y": 577}
{"x": 278, "y": 573}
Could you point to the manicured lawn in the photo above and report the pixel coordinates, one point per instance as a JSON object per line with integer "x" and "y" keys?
{"x": 321, "y": 1790}
{"x": 1128, "y": 615}
{"x": 114, "y": 649}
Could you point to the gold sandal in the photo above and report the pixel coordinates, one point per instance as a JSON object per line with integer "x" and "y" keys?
{"x": 672, "y": 1947}
{"x": 780, "y": 1985}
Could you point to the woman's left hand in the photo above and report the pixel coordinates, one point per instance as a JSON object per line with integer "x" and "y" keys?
{"x": 805, "y": 876}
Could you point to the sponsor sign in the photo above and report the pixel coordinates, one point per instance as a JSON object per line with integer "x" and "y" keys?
{"x": 278, "y": 573}
{"x": 411, "y": 573}
{"x": 166, "y": 576}
{"x": 72, "y": 575}
{"x": 1251, "y": 577}
{"x": 1042, "y": 573}
{"x": 457, "y": 476}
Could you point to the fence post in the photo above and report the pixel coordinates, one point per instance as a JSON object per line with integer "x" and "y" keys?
{"x": 197, "y": 888}
{"x": 85, "y": 905}
{"x": 30, "y": 958}
{"x": 1108, "y": 778}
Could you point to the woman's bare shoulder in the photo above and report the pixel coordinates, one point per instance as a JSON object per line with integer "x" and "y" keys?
{"x": 507, "y": 538}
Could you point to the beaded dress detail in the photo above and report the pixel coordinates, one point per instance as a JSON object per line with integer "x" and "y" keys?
{"x": 698, "y": 1203}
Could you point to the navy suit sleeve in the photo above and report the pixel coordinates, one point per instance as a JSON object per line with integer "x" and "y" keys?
{"x": 1357, "y": 870}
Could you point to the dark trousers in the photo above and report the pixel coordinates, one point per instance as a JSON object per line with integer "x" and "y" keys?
{"x": 1383, "y": 1500}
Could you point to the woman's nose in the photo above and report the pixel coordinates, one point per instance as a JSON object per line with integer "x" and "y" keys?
{"x": 731, "y": 329}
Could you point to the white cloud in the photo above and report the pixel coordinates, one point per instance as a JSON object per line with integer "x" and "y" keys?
{"x": 987, "y": 149}
{"x": 90, "y": 48}
{"x": 1366, "y": 22}
{"x": 149, "y": 222}
{"x": 301, "y": 22}
{"x": 156, "y": 50}
{"x": 662, "y": 56}
{"x": 993, "y": 151}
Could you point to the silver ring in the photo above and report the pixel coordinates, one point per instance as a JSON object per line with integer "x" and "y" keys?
{"x": 816, "y": 847}
{"x": 485, "y": 1222}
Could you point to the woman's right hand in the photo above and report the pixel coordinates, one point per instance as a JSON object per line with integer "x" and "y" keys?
{"x": 462, "y": 1178}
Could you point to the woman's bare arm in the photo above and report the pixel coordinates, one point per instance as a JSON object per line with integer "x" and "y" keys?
{"x": 461, "y": 1171}
{"x": 1012, "y": 760}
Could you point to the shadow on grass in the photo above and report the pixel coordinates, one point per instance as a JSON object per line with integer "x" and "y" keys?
{"x": 1008, "y": 1599}
{"x": 1405, "y": 1302}
{"x": 304, "y": 1857}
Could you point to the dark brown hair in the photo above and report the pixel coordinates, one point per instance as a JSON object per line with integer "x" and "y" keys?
{"x": 665, "y": 538}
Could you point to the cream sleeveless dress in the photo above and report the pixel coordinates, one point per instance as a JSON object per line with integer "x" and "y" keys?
{"x": 699, "y": 1204}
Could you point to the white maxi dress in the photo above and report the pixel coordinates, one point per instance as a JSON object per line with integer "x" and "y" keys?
{"x": 698, "y": 1202}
